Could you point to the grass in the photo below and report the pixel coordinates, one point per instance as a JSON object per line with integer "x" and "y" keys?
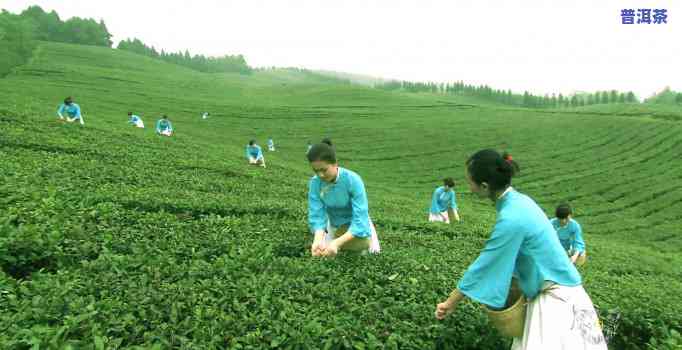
{"x": 111, "y": 237}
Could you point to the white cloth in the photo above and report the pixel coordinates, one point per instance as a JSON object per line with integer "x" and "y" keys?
{"x": 374, "y": 246}
{"x": 139, "y": 124}
{"x": 166, "y": 132}
{"x": 439, "y": 217}
{"x": 562, "y": 318}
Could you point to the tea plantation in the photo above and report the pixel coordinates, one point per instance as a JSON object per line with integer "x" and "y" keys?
{"x": 114, "y": 238}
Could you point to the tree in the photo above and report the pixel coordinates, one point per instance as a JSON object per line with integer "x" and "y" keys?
{"x": 614, "y": 96}
{"x": 590, "y": 99}
{"x": 631, "y": 97}
{"x": 48, "y": 26}
{"x": 574, "y": 101}
{"x": 605, "y": 97}
{"x": 17, "y": 41}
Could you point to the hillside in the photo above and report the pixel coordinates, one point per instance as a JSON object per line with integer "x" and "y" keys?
{"x": 111, "y": 237}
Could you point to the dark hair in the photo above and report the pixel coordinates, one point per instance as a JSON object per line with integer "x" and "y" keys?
{"x": 252, "y": 142}
{"x": 563, "y": 210}
{"x": 508, "y": 158}
{"x": 448, "y": 181}
{"x": 488, "y": 166}
{"x": 165, "y": 116}
{"x": 323, "y": 151}
{"x": 130, "y": 113}
{"x": 68, "y": 100}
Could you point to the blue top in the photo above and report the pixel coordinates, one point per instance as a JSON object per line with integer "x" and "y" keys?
{"x": 163, "y": 125}
{"x": 570, "y": 236}
{"x": 523, "y": 244}
{"x": 73, "y": 110}
{"x": 134, "y": 119}
{"x": 254, "y": 152}
{"x": 341, "y": 202}
{"x": 271, "y": 143}
{"x": 443, "y": 200}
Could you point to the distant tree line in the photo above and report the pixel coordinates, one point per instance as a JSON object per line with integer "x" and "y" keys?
{"x": 507, "y": 97}
{"x": 76, "y": 30}
{"x": 16, "y": 41}
{"x": 310, "y": 75}
{"x": 667, "y": 96}
{"x": 222, "y": 64}
{"x": 19, "y": 33}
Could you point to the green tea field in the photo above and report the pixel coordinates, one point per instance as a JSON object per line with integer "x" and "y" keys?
{"x": 112, "y": 237}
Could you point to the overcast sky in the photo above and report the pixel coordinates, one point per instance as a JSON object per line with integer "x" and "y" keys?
{"x": 543, "y": 46}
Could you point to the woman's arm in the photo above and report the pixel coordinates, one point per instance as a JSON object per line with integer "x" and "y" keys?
{"x": 449, "y": 305}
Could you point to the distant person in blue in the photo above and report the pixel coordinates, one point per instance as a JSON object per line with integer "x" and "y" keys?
{"x": 271, "y": 145}
{"x": 135, "y": 120}
{"x": 254, "y": 154}
{"x": 70, "y": 112}
{"x": 164, "y": 126}
{"x": 570, "y": 234}
{"x": 338, "y": 212}
{"x": 524, "y": 245}
{"x": 444, "y": 203}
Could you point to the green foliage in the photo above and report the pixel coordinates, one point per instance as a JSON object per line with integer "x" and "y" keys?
{"x": 18, "y": 34}
{"x": 76, "y": 30}
{"x": 111, "y": 237}
{"x": 488, "y": 94}
{"x": 16, "y": 41}
{"x": 666, "y": 97}
{"x": 223, "y": 64}
{"x": 672, "y": 341}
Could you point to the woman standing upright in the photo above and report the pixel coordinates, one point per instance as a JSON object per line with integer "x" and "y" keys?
{"x": 523, "y": 244}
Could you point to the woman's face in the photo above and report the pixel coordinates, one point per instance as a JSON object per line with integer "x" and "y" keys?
{"x": 564, "y": 222}
{"x": 481, "y": 190}
{"x": 327, "y": 172}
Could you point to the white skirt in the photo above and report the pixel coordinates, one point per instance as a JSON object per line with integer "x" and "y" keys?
{"x": 253, "y": 160}
{"x": 139, "y": 124}
{"x": 374, "y": 246}
{"x": 562, "y": 318}
{"x": 439, "y": 217}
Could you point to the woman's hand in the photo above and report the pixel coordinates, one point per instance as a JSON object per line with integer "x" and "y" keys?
{"x": 332, "y": 249}
{"x": 444, "y": 309}
{"x": 319, "y": 245}
{"x": 449, "y": 305}
{"x": 575, "y": 257}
